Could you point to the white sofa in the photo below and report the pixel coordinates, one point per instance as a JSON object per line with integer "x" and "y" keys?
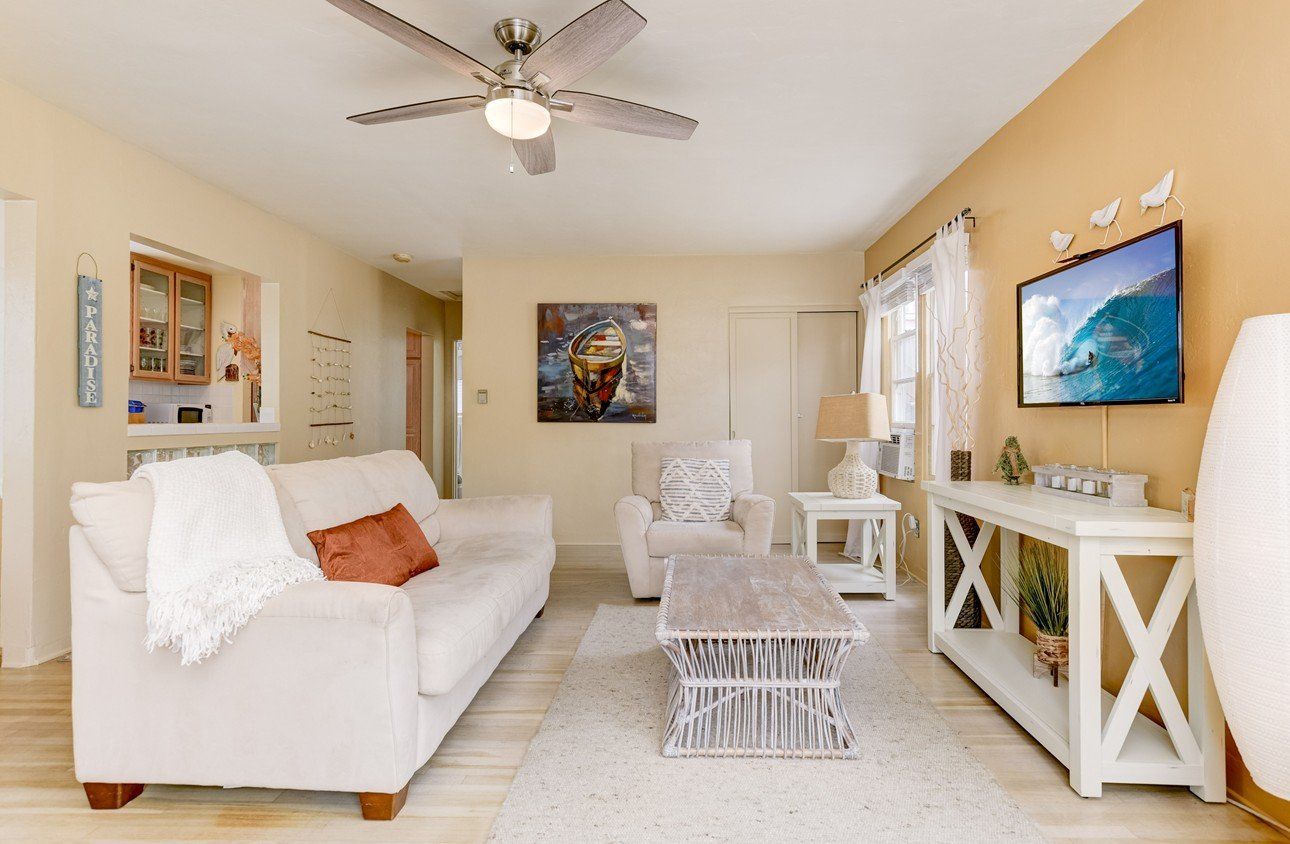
{"x": 332, "y": 686}
{"x": 647, "y": 540}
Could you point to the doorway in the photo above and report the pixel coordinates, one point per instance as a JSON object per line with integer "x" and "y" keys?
{"x": 413, "y": 393}
{"x": 458, "y": 393}
{"x": 781, "y": 362}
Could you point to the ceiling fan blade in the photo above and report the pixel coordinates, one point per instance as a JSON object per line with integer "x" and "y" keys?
{"x": 582, "y": 45}
{"x": 433, "y": 108}
{"x": 624, "y": 116}
{"x": 423, "y": 42}
{"x": 537, "y": 155}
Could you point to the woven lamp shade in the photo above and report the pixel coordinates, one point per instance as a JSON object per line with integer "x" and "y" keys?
{"x": 857, "y": 416}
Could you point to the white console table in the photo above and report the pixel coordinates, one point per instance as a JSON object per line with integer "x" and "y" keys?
{"x": 1100, "y": 737}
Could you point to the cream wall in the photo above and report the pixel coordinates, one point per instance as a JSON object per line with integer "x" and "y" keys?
{"x": 1186, "y": 84}
{"x": 92, "y": 191}
{"x": 585, "y": 466}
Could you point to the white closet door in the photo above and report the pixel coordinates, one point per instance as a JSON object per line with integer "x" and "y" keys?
{"x": 762, "y": 348}
{"x": 826, "y": 366}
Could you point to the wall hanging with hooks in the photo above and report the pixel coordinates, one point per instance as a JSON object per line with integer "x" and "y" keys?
{"x": 331, "y": 400}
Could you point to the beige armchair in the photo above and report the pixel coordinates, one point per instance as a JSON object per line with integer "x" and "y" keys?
{"x": 647, "y": 540}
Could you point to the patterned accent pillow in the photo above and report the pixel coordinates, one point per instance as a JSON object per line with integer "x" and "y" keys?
{"x": 693, "y": 489}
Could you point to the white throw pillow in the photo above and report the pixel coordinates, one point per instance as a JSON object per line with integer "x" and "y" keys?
{"x": 693, "y": 489}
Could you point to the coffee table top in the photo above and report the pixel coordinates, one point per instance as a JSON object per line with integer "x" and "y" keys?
{"x": 751, "y": 597}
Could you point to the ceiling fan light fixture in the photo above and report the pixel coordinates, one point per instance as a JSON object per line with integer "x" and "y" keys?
{"x": 517, "y": 113}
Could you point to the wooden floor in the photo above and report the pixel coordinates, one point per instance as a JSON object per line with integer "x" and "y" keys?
{"x": 455, "y": 796}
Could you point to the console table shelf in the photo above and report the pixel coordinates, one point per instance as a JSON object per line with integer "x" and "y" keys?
{"x": 1100, "y": 737}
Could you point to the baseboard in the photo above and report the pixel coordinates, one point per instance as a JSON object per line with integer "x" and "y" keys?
{"x": 36, "y": 654}
{"x": 1234, "y": 799}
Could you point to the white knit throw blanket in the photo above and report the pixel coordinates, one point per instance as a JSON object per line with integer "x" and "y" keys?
{"x": 216, "y": 552}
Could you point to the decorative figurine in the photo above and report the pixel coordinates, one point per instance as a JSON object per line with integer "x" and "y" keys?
{"x": 1012, "y": 463}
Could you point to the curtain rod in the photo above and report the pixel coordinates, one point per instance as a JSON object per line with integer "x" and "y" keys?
{"x": 965, "y": 214}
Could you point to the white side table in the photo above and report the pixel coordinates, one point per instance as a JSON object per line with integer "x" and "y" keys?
{"x": 877, "y": 515}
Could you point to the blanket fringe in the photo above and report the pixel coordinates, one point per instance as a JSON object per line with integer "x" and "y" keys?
{"x": 195, "y": 621}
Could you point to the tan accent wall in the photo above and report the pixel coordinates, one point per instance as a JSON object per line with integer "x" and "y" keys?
{"x": 92, "y": 192}
{"x": 585, "y": 465}
{"x": 1186, "y": 84}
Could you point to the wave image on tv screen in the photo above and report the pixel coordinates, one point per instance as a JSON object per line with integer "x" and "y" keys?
{"x": 1105, "y": 330}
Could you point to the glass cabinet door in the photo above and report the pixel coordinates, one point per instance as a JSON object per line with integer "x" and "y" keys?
{"x": 194, "y": 310}
{"x": 152, "y": 305}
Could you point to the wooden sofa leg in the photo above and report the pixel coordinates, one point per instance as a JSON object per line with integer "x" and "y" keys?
{"x": 382, "y": 807}
{"x": 111, "y": 795}
{"x": 539, "y": 615}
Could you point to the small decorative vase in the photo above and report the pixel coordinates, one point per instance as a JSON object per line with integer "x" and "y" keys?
{"x": 1053, "y": 654}
{"x": 852, "y": 478}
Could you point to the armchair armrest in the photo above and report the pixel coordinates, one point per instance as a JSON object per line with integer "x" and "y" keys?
{"x": 344, "y": 654}
{"x": 463, "y": 517}
{"x": 634, "y": 511}
{"x": 634, "y": 515}
{"x": 756, "y": 515}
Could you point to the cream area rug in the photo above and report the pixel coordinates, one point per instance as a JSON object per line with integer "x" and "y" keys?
{"x": 594, "y": 772}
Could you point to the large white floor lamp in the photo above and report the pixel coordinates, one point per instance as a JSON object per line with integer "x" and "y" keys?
{"x": 1242, "y": 547}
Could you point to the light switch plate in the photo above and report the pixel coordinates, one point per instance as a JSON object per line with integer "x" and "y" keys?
{"x": 481, "y": 397}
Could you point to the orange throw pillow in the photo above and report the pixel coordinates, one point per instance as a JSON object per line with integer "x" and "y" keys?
{"x": 385, "y": 548}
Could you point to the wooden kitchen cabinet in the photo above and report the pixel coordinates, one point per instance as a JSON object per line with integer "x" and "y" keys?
{"x": 170, "y": 321}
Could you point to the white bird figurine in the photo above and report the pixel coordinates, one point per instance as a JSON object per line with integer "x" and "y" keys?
{"x": 1061, "y": 241}
{"x": 1159, "y": 196}
{"x": 1104, "y": 218}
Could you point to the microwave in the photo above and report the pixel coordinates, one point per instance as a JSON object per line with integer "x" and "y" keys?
{"x": 171, "y": 413}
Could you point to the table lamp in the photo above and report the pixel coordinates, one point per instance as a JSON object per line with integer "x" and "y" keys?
{"x": 853, "y": 419}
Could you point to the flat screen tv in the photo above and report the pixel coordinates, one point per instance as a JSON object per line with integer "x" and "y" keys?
{"x": 1106, "y": 329}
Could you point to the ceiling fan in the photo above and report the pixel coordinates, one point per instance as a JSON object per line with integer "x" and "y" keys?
{"x": 526, "y": 89}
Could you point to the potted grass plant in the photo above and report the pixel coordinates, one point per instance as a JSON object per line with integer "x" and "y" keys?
{"x": 1040, "y": 586}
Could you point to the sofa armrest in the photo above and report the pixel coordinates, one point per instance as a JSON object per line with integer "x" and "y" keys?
{"x": 463, "y": 517}
{"x": 756, "y": 515}
{"x": 317, "y": 691}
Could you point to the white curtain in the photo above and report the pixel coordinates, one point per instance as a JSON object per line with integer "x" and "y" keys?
{"x": 870, "y": 382}
{"x": 956, "y": 368}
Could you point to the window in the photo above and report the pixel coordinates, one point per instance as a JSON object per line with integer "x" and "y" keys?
{"x": 902, "y": 296}
{"x": 903, "y": 351}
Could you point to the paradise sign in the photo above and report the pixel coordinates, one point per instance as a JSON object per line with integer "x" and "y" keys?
{"x": 89, "y": 360}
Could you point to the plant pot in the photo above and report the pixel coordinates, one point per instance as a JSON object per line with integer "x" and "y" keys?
{"x": 1052, "y": 655}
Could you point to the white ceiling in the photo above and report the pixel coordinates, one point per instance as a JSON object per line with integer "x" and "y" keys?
{"x": 820, "y": 123}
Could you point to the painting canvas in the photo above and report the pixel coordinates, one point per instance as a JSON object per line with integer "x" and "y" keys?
{"x": 1106, "y": 330}
{"x": 596, "y": 362}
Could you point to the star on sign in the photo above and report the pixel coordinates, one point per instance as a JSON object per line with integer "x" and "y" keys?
{"x": 92, "y": 295}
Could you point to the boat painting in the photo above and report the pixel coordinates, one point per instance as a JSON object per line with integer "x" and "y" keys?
{"x": 596, "y": 362}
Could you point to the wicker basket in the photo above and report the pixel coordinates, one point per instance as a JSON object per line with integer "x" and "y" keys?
{"x": 970, "y": 615}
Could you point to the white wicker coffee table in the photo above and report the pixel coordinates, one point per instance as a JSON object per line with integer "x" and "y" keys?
{"x": 757, "y": 646}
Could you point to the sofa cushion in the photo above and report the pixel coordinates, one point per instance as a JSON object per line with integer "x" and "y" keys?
{"x": 384, "y": 548}
{"x": 647, "y": 463}
{"x": 462, "y": 607}
{"x": 399, "y": 477}
{"x": 327, "y": 492}
{"x": 664, "y": 538}
{"x": 116, "y": 518}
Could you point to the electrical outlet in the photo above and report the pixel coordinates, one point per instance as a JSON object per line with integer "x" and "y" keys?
{"x": 913, "y": 525}
{"x": 481, "y": 397}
